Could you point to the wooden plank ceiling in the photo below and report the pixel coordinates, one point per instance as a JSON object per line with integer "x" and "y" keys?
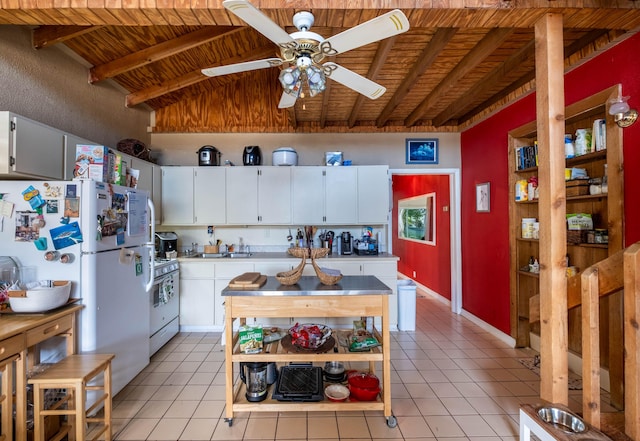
{"x": 460, "y": 60}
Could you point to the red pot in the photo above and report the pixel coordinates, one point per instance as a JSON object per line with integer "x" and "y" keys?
{"x": 363, "y": 386}
{"x": 363, "y": 380}
{"x": 363, "y": 394}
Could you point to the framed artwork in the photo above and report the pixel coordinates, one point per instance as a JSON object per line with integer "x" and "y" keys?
{"x": 422, "y": 151}
{"x": 483, "y": 197}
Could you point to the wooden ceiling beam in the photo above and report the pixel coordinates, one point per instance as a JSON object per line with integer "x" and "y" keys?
{"x": 376, "y": 66}
{"x": 479, "y": 53}
{"x": 526, "y": 53}
{"x": 158, "y": 52}
{"x": 426, "y": 58}
{"x": 573, "y": 48}
{"x": 46, "y": 36}
{"x": 190, "y": 78}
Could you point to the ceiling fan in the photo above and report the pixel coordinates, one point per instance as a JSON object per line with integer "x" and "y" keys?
{"x": 302, "y": 52}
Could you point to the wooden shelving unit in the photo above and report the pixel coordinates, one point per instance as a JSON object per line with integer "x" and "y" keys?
{"x": 607, "y": 210}
{"x": 310, "y": 306}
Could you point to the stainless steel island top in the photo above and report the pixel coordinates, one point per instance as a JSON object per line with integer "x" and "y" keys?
{"x": 311, "y": 286}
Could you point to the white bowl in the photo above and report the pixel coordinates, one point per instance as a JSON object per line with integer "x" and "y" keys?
{"x": 337, "y": 392}
{"x": 42, "y": 298}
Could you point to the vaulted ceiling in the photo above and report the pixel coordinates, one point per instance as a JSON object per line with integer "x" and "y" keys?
{"x": 459, "y": 61}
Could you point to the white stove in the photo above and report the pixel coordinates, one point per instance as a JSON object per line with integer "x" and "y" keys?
{"x": 165, "y": 304}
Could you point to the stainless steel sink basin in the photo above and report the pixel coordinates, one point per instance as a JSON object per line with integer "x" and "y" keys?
{"x": 237, "y": 255}
{"x": 211, "y": 255}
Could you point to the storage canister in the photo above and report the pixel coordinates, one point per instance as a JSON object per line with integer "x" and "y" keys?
{"x": 527, "y": 227}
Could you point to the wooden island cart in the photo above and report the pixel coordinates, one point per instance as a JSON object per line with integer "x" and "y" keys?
{"x": 353, "y": 296}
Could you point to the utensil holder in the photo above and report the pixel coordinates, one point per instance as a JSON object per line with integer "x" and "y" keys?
{"x": 211, "y": 249}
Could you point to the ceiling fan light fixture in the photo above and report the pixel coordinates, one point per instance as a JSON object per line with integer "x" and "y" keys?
{"x": 290, "y": 78}
{"x": 315, "y": 80}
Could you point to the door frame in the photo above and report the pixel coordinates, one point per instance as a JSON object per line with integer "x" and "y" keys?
{"x": 455, "y": 226}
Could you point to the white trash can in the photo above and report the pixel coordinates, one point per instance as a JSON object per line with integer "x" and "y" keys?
{"x": 406, "y": 305}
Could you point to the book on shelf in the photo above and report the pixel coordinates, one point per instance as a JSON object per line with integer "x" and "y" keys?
{"x": 527, "y": 156}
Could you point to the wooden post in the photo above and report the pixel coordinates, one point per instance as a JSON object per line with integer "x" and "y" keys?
{"x": 552, "y": 209}
{"x": 591, "y": 346}
{"x": 631, "y": 338}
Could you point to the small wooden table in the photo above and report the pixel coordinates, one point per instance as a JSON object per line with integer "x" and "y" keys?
{"x": 19, "y": 335}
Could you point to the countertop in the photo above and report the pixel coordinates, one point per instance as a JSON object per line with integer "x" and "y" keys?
{"x": 285, "y": 255}
{"x": 311, "y": 286}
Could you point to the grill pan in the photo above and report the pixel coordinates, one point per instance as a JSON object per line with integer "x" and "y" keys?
{"x": 299, "y": 383}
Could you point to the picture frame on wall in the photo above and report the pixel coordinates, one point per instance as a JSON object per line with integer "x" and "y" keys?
{"x": 483, "y": 197}
{"x": 422, "y": 151}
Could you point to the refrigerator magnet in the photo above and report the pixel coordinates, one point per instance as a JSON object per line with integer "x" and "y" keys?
{"x": 66, "y": 235}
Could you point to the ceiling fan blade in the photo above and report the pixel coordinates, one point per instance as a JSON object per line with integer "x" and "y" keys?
{"x": 385, "y": 26}
{"x": 287, "y": 100}
{"x": 241, "y": 67}
{"x": 258, "y": 20}
{"x": 354, "y": 81}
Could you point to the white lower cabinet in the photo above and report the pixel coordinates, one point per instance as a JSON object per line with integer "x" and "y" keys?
{"x": 225, "y": 272}
{"x": 202, "y": 282}
{"x": 197, "y": 294}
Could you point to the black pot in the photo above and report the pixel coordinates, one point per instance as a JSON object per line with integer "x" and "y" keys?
{"x": 252, "y": 155}
{"x": 208, "y": 155}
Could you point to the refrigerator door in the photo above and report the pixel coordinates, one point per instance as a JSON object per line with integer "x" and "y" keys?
{"x": 112, "y": 216}
{"x": 116, "y": 317}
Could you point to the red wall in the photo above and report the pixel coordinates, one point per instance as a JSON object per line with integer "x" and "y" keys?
{"x": 432, "y": 264}
{"x": 485, "y": 239}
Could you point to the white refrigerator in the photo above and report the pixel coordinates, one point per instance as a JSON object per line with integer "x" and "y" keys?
{"x": 98, "y": 236}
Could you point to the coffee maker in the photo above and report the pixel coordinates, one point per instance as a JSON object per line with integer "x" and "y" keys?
{"x": 345, "y": 243}
{"x": 165, "y": 242}
{"x": 254, "y": 376}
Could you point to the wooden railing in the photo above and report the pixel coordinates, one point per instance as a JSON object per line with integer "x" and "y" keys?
{"x": 620, "y": 271}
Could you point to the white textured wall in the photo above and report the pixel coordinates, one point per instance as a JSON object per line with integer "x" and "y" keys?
{"x": 361, "y": 148}
{"x": 50, "y": 87}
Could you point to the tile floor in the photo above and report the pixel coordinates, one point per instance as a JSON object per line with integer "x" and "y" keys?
{"x": 450, "y": 380}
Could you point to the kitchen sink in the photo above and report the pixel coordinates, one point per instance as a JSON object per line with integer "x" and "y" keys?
{"x": 211, "y": 255}
{"x": 222, "y": 255}
{"x": 237, "y": 255}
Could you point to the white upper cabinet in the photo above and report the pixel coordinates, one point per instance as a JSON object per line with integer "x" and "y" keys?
{"x": 341, "y": 195}
{"x": 272, "y": 195}
{"x": 193, "y": 195}
{"x": 258, "y": 195}
{"x": 307, "y": 188}
{"x": 30, "y": 149}
{"x": 324, "y": 195}
{"x": 209, "y": 195}
{"x": 242, "y": 195}
{"x": 374, "y": 190}
{"x": 177, "y": 196}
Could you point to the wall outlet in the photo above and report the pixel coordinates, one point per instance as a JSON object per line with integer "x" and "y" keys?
{"x": 210, "y": 229}
{"x": 414, "y": 274}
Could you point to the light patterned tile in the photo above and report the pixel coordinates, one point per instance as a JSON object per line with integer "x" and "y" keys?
{"x": 199, "y": 430}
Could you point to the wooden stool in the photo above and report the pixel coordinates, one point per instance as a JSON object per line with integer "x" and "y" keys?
{"x": 73, "y": 373}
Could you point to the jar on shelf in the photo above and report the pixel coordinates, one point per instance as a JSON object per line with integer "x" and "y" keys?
{"x": 583, "y": 141}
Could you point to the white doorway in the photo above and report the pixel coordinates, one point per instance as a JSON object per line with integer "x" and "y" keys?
{"x": 455, "y": 228}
